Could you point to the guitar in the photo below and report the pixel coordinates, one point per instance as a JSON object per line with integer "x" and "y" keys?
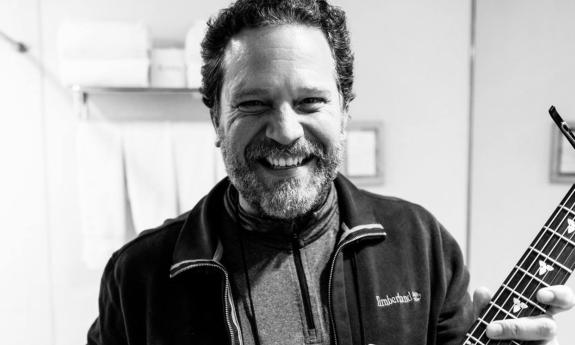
{"x": 549, "y": 260}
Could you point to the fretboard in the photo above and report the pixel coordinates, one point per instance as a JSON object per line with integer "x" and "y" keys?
{"x": 549, "y": 260}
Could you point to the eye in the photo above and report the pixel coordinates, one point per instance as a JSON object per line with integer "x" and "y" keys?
{"x": 252, "y": 106}
{"x": 311, "y": 104}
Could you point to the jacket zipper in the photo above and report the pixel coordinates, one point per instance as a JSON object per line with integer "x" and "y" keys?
{"x": 339, "y": 248}
{"x": 302, "y": 282}
{"x": 227, "y": 295}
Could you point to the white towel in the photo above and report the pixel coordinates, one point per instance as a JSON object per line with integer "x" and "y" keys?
{"x": 101, "y": 191}
{"x": 104, "y": 53}
{"x": 106, "y": 73}
{"x": 195, "y": 161}
{"x": 150, "y": 173}
{"x": 194, "y": 38}
{"x": 103, "y": 40}
{"x": 168, "y": 68}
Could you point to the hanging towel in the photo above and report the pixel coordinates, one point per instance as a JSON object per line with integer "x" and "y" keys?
{"x": 101, "y": 192}
{"x": 150, "y": 173}
{"x": 194, "y": 158}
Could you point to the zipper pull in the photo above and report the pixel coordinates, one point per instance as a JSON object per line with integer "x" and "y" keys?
{"x": 297, "y": 243}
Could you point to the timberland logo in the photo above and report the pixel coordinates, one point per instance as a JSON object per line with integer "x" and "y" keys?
{"x": 410, "y": 297}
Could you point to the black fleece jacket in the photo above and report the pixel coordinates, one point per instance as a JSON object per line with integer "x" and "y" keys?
{"x": 396, "y": 277}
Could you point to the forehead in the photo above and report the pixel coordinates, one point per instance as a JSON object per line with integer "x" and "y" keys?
{"x": 289, "y": 53}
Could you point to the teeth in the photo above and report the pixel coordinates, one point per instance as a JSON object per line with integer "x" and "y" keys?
{"x": 283, "y": 162}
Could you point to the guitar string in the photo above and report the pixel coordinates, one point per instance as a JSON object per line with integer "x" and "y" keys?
{"x": 558, "y": 277}
{"x": 555, "y": 214}
{"x": 522, "y": 276}
{"x": 555, "y": 241}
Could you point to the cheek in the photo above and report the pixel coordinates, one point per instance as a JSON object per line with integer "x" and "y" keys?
{"x": 241, "y": 133}
{"x": 328, "y": 132}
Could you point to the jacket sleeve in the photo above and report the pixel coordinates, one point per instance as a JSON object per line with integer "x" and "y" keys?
{"x": 108, "y": 328}
{"x": 457, "y": 310}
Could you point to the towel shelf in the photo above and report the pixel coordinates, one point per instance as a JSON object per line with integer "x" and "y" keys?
{"x": 82, "y": 94}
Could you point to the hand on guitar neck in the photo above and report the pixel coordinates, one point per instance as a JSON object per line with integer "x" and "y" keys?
{"x": 534, "y": 328}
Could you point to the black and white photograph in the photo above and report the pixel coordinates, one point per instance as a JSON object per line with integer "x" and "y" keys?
{"x": 287, "y": 172}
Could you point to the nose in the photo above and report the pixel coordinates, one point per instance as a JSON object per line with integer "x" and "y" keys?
{"x": 284, "y": 126}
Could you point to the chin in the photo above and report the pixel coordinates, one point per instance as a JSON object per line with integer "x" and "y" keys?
{"x": 291, "y": 199}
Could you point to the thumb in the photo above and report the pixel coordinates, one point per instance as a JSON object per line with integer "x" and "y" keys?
{"x": 481, "y": 298}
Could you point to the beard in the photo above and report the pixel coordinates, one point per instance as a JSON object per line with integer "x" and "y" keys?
{"x": 290, "y": 197}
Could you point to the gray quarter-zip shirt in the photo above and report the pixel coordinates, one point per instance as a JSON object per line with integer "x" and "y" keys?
{"x": 280, "y": 269}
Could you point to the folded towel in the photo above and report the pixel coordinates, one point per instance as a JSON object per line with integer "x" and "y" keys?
{"x": 110, "y": 73}
{"x": 150, "y": 173}
{"x": 168, "y": 68}
{"x": 195, "y": 159}
{"x": 103, "y": 40}
{"x": 101, "y": 192}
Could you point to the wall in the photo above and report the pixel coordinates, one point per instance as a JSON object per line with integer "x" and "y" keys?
{"x": 24, "y": 253}
{"x": 76, "y": 286}
{"x": 525, "y": 57}
{"x": 411, "y": 73}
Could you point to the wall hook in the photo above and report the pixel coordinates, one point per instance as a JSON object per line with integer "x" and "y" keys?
{"x": 19, "y": 46}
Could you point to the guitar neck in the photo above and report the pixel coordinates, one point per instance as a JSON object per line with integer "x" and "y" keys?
{"x": 549, "y": 260}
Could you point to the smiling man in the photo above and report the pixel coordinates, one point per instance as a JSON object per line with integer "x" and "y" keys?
{"x": 281, "y": 119}
{"x": 286, "y": 251}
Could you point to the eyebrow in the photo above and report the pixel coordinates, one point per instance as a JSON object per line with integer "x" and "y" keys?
{"x": 243, "y": 93}
{"x": 259, "y": 91}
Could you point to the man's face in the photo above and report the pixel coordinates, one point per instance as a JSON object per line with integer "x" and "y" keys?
{"x": 281, "y": 119}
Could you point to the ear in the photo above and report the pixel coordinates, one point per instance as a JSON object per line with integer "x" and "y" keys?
{"x": 215, "y": 123}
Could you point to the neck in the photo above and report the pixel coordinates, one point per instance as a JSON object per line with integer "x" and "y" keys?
{"x": 253, "y": 221}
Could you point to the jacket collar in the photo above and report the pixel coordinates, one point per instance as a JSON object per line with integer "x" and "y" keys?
{"x": 199, "y": 241}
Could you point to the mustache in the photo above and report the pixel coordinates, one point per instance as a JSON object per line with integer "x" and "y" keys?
{"x": 267, "y": 147}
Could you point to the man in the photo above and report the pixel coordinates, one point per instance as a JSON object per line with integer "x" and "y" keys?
{"x": 286, "y": 251}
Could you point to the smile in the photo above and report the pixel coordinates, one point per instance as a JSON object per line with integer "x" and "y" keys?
{"x": 279, "y": 163}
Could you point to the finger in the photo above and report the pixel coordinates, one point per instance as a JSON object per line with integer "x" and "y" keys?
{"x": 481, "y": 297}
{"x": 541, "y": 327}
{"x": 558, "y": 297}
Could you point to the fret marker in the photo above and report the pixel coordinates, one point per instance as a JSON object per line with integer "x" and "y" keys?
{"x": 518, "y": 305}
{"x": 570, "y": 225}
{"x": 544, "y": 268}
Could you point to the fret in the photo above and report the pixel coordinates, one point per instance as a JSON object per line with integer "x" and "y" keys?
{"x": 551, "y": 259}
{"x": 477, "y": 341}
{"x": 554, "y": 232}
{"x": 549, "y": 243}
{"x": 567, "y": 209}
{"x": 482, "y": 321}
{"x": 562, "y": 221}
{"x": 525, "y": 298}
{"x": 503, "y": 310}
{"x": 532, "y": 276}
{"x": 543, "y": 270}
{"x": 566, "y": 199}
{"x": 480, "y": 327}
